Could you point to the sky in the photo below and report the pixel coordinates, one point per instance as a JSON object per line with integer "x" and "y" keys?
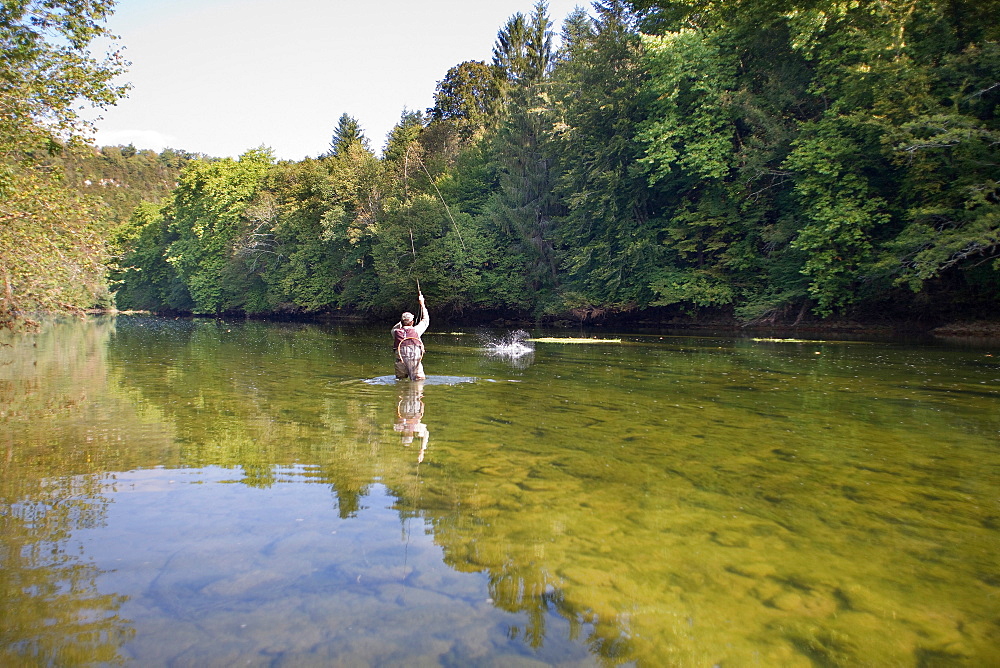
{"x": 220, "y": 77}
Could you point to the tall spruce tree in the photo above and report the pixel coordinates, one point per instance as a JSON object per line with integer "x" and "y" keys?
{"x": 347, "y": 134}
{"x": 523, "y": 206}
{"x": 608, "y": 246}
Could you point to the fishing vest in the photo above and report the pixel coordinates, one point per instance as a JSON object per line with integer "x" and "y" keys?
{"x": 407, "y": 336}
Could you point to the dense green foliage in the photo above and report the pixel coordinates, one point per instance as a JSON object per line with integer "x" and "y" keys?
{"x": 764, "y": 159}
{"x": 52, "y": 240}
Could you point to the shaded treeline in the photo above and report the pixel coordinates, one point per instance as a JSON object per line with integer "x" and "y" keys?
{"x": 765, "y": 160}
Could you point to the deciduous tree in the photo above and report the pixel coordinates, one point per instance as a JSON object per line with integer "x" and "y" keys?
{"x": 51, "y": 242}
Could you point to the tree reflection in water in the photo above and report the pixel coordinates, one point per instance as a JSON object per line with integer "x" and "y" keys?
{"x": 52, "y": 611}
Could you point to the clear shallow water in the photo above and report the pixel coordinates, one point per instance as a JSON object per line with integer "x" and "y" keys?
{"x": 220, "y": 493}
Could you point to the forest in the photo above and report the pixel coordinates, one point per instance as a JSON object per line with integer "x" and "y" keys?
{"x": 757, "y": 162}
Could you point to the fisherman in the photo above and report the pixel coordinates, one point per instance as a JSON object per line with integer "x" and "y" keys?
{"x": 407, "y": 344}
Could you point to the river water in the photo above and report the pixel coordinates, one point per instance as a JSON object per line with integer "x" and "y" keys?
{"x": 216, "y": 493}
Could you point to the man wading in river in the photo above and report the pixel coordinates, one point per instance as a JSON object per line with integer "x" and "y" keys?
{"x": 407, "y": 344}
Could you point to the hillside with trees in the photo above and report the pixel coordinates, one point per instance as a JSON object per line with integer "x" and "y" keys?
{"x": 752, "y": 161}
{"x": 122, "y": 177}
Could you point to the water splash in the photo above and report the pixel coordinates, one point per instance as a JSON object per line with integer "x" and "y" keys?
{"x": 513, "y": 345}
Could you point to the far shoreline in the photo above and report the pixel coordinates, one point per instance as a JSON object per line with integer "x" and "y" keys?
{"x": 972, "y": 328}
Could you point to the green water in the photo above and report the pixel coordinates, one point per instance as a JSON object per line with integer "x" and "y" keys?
{"x": 221, "y": 493}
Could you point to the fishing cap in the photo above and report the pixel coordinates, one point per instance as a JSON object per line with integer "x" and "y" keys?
{"x": 406, "y": 317}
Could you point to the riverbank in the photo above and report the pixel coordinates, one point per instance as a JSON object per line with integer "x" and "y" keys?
{"x": 885, "y": 327}
{"x": 974, "y": 328}
{"x": 979, "y": 328}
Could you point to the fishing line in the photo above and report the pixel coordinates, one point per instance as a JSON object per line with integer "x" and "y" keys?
{"x": 430, "y": 179}
{"x": 448, "y": 210}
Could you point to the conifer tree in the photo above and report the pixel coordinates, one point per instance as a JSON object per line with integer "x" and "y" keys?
{"x": 523, "y": 205}
{"x": 347, "y": 134}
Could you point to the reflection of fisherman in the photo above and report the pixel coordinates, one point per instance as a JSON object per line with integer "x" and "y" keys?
{"x": 409, "y": 413}
{"x": 407, "y": 344}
